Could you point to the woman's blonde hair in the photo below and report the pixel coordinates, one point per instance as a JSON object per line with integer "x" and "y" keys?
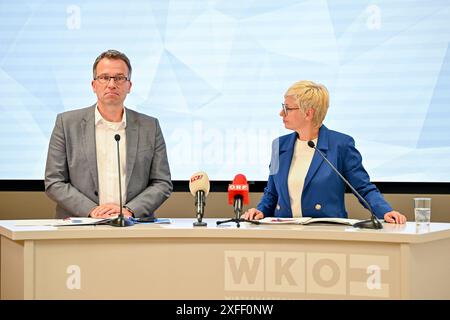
{"x": 313, "y": 95}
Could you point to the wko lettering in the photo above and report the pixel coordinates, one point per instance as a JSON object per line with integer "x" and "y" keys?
{"x": 306, "y": 273}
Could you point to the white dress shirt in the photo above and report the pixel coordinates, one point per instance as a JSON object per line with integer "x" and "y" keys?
{"x": 301, "y": 161}
{"x": 106, "y": 148}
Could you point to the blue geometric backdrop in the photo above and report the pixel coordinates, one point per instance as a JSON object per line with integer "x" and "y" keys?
{"x": 215, "y": 72}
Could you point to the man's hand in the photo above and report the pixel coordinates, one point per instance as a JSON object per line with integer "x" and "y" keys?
{"x": 252, "y": 214}
{"x": 108, "y": 210}
{"x": 394, "y": 217}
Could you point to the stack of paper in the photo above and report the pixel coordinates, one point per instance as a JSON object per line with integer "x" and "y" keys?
{"x": 307, "y": 220}
{"x": 55, "y": 222}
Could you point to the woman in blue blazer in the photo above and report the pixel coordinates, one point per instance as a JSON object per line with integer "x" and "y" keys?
{"x": 300, "y": 182}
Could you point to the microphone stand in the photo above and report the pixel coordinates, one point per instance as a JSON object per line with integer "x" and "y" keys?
{"x": 120, "y": 221}
{"x": 237, "y": 213}
{"x": 200, "y": 203}
{"x": 373, "y": 222}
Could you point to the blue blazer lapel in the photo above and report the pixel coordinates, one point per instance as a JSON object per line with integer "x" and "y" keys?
{"x": 322, "y": 145}
{"x": 132, "y": 131}
{"x": 286, "y": 152}
{"x": 88, "y": 141}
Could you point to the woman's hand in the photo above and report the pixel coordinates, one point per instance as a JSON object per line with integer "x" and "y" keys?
{"x": 252, "y": 214}
{"x": 394, "y": 217}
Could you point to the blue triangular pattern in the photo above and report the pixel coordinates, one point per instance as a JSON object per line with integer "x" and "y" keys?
{"x": 247, "y": 9}
{"x": 343, "y": 13}
{"x": 182, "y": 16}
{"x": 197, "y": 92}
{"x": 162, "y": 96}
{"x": 48, "y": 95}
{"x": 35, "y": 4}
{"x": 26, "y": 49}
{"x": 160, "y": 14}
{"x": 437, "y": 119}
{"x": 11, "y": 24}
{"x": 364, "y": 39}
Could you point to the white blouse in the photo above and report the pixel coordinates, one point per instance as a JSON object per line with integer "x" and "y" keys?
{"x": 301, "y": 161}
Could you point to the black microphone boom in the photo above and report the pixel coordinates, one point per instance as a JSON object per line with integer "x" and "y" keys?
{"x": 120, "y": 221}
{"x": 372, "y": 223}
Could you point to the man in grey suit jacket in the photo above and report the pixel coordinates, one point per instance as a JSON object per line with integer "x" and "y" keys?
{"x": 81, "y": 172}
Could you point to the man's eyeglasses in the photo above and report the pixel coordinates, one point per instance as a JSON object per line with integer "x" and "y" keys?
{"x": 104, "y": 79}
{"x": 286, "y": 109}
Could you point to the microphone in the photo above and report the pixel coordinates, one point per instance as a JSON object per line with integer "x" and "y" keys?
{"x": 199, "y": 188}
{"x": 120, "y": 221}
{"x": 237, "y": 196}
{"x": 372, "y": 223}
{"x": 238, "y": 193}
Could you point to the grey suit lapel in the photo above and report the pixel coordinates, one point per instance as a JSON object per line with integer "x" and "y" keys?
{"x": 132, "y": 131}
{"x": 88, "y": 140}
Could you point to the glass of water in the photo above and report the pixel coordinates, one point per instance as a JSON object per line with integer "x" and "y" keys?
{"x": 422, "y": 210}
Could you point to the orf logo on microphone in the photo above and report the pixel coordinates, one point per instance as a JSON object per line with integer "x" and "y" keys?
{"x": 238, "y": 187}
{"x": 197, "y": 177}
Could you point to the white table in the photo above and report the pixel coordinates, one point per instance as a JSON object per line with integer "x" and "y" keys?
{"x": 179, "y": 261}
